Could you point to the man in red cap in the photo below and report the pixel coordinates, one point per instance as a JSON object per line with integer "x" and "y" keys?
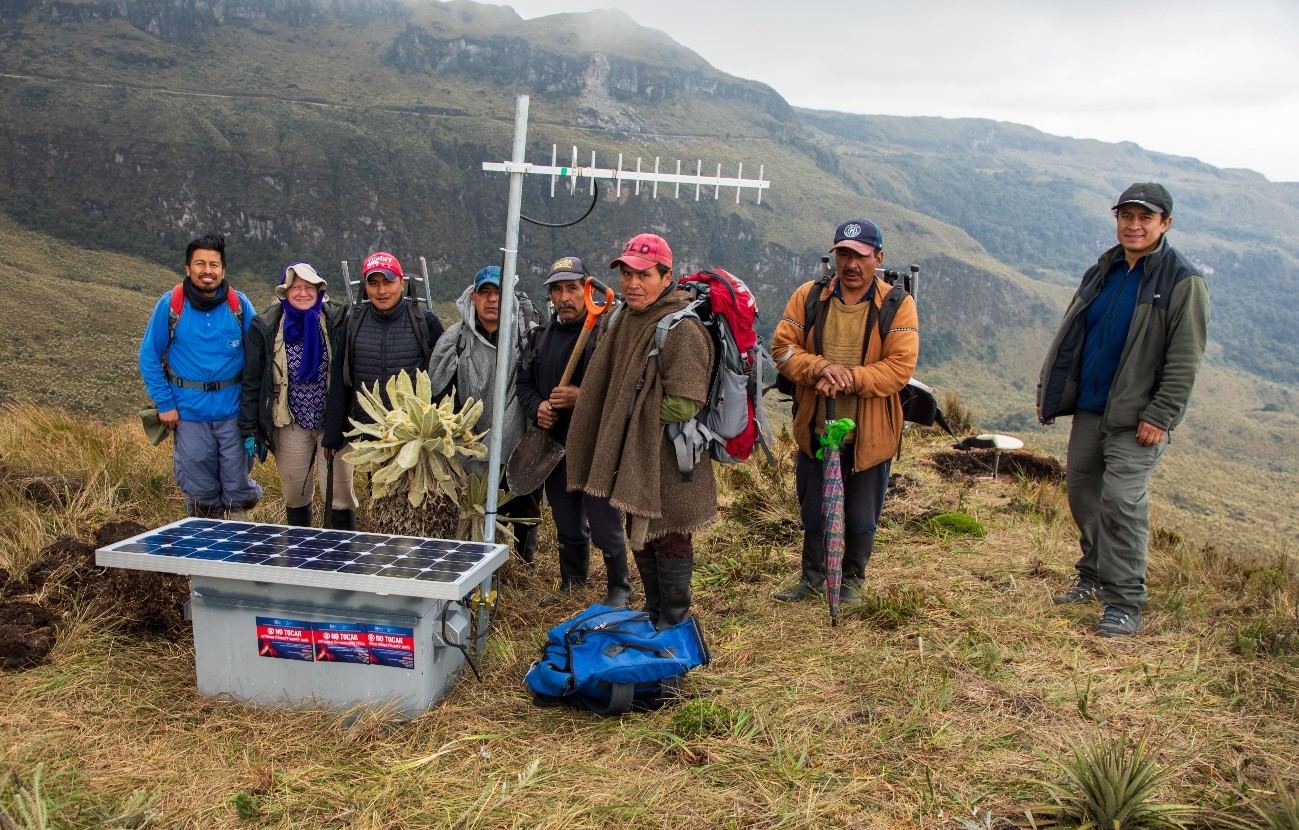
{"x": 617, "y": 445}
{"x": 386, "y": 334}
{"x": 841, "y": 355}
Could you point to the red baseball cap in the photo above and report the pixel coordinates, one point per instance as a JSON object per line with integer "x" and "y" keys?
{"x": 644, "y": 250}
{"x": 384, "y": 263}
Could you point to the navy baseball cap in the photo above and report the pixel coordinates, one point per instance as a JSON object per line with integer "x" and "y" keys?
{"x": 860, "y": 235}
{"x": 1150, "y": 195}
{"x": 487, "y": 275}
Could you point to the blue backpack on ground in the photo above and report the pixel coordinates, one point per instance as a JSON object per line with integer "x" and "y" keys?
{"x": 611, "y": 660}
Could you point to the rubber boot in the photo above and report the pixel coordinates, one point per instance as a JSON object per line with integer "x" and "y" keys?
{"x": 618, "y": 590}
{"x": 574, "y": 566}
{"x": 857, "y": 549}
{"x": 298, "y": 516}
{"x": 674, "y": 591}
{"x": 812, "y": 581}
{"x": 648, "y": 567}
{"x": 525, "y": 545}
{"x": 342, "y": 519}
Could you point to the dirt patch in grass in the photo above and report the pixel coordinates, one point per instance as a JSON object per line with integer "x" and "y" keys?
{"x": 26, "y": 634}
{"x": 65, "y": 576}
{"x": 1014, "y": 463}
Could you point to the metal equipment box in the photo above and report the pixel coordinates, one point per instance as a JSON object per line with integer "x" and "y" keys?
{"x": 306, "y": 617}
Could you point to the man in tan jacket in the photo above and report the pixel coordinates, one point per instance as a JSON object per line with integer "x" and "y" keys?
{"x": 841, "y": 354}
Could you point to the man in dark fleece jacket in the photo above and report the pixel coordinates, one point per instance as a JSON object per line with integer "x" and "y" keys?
{"x": 1123, "y": 364}
{"x": 579, "y": 517}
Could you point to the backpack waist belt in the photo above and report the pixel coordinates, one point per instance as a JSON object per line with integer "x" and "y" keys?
{"x": 205, "y": 385}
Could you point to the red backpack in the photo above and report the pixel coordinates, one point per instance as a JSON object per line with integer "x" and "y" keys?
{"x": 731, "y": 421}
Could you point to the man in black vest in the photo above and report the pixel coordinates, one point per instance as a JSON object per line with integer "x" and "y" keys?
{"x": 387, "y": 335}
{"x": 579, "y": 517}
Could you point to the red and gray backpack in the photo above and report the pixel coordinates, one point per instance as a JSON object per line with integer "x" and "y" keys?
{"x": 731, "y": 421}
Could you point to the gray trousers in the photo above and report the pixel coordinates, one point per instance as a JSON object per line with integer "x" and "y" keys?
{"x": 212, "y": 468}
{"x": 1109, "y": 477}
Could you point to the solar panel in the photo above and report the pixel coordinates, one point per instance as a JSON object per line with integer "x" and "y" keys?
{"x": 313, "y": 557}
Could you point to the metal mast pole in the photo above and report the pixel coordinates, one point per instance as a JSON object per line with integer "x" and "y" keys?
{"x": 505, "y": 334}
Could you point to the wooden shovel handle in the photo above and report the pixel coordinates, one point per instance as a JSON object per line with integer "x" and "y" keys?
{"x": 576, "y": 356}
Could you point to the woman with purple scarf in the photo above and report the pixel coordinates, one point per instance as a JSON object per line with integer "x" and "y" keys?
{"x": 293, "y": 352}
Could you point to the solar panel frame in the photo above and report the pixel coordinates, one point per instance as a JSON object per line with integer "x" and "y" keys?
{"x": 279, "y": 554}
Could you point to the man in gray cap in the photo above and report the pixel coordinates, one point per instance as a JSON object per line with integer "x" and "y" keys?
{"x": 579, "y": 517}
{"x": 1123, "y": 365}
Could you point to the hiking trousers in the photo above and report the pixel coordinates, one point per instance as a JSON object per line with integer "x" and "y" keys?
{"x": 297, "y": 450}
{"x": 212, "y": 467}
{"x": 1108, "y": 477}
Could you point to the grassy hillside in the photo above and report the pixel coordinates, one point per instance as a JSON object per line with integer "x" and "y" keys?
{"x": 950, "y": 692}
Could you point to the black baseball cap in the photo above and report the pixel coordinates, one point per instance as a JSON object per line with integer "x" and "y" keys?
{"x": 1150, "y": 195}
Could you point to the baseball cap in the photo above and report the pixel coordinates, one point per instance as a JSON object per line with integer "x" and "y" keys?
{"x": 566, "y": 268}
{"x": 644, "y": 250}
{"x": 860, "y": 235}
{"x": 488, "y": 275}
{"x": 297, "y": 271}
{"x": 384, "y": 263}
{"x": 1150, "y": 195}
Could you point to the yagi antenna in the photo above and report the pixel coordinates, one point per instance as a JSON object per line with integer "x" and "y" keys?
{"x": 518, "y": 168}
{"x": 634, "y": 177}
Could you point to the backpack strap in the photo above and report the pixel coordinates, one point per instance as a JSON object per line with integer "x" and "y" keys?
{"x": 175, "y": 306}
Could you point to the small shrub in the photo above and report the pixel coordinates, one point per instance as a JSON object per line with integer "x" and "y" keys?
{"x": 959, "y": 417}
{"x": 702, "y": 718}
{"x": 1268, "y": 637}
{"x": 1279, "y": 811}
{"x": 247, "y": 805}
{"x": 947, "y": 525}
{"x": 1109, "y": 784}
{"x": 889, "y": 610}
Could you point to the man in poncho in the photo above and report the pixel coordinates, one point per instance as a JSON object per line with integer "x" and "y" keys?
{"x": 617, "y": 443}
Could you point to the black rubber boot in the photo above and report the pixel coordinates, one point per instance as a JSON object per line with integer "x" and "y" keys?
{"x": 674, "y": 591}
{"x": 525, "y": 545}
{"x": 647, "y": 566}
{"x": 857, "y": 549}
{"x": 812, "y": 582}
{"x": 574, "y": 566}
{"x": 298, "y": 516}
{"x": 342, "y": 519}
{"x": 618, "y": 590}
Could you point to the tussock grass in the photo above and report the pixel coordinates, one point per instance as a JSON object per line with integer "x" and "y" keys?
{"x": 948, "y": 691}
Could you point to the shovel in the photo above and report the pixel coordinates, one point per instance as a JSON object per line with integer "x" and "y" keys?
{"x": 537, "y": 453}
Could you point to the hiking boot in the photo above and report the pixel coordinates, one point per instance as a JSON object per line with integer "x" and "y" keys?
{"x": 1115, "y": 622}
{"x": 298, "y": 516}
{"x": 1083, "y": 591}
{"x": 801, "y": 591}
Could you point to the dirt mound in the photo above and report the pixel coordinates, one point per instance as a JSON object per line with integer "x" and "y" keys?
{"x": 26, "y": 634}
{"x": 64, "y": 576}
{"x": 1014, "y": 464}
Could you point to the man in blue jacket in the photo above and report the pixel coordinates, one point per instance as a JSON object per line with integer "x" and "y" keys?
{"x": 1123, "y": 365}
{"x": 191, "y": 359}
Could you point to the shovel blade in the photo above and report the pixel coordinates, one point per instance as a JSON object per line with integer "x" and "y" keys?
{"x": 532, "y": 461}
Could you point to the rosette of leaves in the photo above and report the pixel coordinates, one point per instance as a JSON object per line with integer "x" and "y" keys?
{"x": 413, "y": 451}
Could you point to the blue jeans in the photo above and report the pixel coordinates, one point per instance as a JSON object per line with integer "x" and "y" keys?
{"x": 212, "y": 468}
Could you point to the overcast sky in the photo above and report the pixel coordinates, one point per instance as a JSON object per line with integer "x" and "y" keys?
{"x": 1218, "y": 81}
